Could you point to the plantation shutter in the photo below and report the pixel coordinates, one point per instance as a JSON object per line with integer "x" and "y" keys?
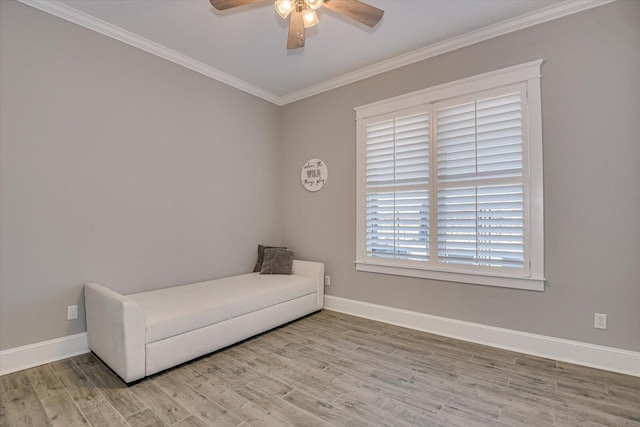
{"x": 449, "y": 182}
{"x": 480, "y": 190}
{"x": 397, "y": 177}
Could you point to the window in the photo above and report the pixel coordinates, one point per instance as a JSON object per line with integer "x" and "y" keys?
{"x": 450, "y": 182}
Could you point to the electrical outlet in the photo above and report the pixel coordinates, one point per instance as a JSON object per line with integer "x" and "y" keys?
{"x": 72, "y": 312}
{"x": 600, "y": 321}
{"x": 327, "y": 280}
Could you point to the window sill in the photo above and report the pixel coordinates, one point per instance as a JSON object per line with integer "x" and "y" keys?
{"x": 525, "y": 283}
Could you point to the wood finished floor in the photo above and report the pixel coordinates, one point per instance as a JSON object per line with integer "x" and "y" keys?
{"x": 329, "y": 369}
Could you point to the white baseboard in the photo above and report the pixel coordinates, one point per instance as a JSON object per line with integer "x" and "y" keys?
{"x": 28, "y": 356}
{"x": 596, "y": 356}
{"x": 580, "y": 353}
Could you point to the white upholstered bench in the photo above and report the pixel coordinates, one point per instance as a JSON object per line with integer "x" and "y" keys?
{"x": 141, "y": 334}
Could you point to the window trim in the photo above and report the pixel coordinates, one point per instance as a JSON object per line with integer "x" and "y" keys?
{"x": 528, "y": 74}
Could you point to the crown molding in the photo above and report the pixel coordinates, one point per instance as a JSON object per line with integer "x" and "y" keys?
{"x": 565, "y": 8}
{"x": 77, "y": 17}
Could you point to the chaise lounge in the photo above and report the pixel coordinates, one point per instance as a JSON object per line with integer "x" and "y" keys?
{"x": 138, "y": 335}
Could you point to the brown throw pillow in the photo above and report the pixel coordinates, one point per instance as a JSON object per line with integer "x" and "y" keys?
{"x": 261, "y": 249}
{"x": 277, "y": 261}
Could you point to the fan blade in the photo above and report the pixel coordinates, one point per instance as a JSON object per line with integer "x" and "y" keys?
{"x": 354, "y": 9}
{"x": 228, "y": 4}
{"x": 296, "y": 36}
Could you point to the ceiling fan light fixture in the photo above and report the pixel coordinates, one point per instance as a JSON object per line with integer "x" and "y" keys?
{"x": 284, "y": 7}
{"x": 310, "y": 18}
{"x": 302, "y": 14}
{"x": 314, "y": 4}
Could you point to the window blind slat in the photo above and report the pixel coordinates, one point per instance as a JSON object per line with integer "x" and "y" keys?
{"x": 481, "y": 225}
{"x": 398, "y": 225}
{"x": 478, "y": 224}
{"x": 480, "y": 140}
{"x": 398, "y": 152}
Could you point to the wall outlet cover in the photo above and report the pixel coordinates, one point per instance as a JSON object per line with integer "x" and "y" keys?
{"x": 600, "y": 321}
{"x": 72, "y": 312}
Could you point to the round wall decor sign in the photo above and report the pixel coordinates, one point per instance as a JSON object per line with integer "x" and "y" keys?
{"x": 314, "y": 174}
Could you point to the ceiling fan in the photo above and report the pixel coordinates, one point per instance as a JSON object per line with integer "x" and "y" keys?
{"x": 302, "y": 14}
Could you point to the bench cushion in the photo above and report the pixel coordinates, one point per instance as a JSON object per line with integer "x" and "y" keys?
{"x": 173, "y": 311}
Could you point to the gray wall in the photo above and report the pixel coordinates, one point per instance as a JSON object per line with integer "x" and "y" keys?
{"x": 591, "y": 110}
{"x": 121, "y": 168}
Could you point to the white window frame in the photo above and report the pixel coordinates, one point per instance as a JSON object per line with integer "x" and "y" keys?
{"x": 531, "y": 277}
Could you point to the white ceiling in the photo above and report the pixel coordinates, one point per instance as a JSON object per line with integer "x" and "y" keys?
{"x": 246, "y": 46}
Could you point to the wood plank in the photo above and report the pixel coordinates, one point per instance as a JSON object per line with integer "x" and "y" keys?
{"x": 63, "y": 364}
{"x": 86, "y": 361}
{"x": 280, "y": 408}
{"x": 370, "y": 413}
{"x": 434, "y": 371}
{"x": 266, "y": 382}
{"x": 159, "y": 402}
{"x": 568, "y": 420}
{"x": 333, "y": 318}
{"x": 368, "y": 342}
{"x": 425, "y": 401}
{"x": 196, "y": 403}
{"x": 145, "y": 418}
{"x": 534, "y": 399}
{"x": 343, "y": 383}
{"x": 204, "y": 366}
{"x": 515, "y": 410}
{"x": 490, "y": 371}
{"x": 624, "y": 394}
{"x": 324, "y": 410}
{"x": 578, "y": 387}
{"x": 492, "y": 353}
{"x": 292, "y": 375}
{"x": 15, "y": 380}
{"x": 460, "y": 418}
{"x": 23, "y": 408}
{"x": 324, "y": 339}
{"x": 594, "y": 401}
{"x": 567, "y": 370}
{"x": 188, "y": 374}
{"x": 104, "y": 414}
{"x": 62, "y": 411}
{"x": 432, "y": 396}
{"x": 516, "y": 420}
{"x": 627, "y": 423}
{"x": 115, "y": 391}
{"x": 489, "y": 415}
{"x": 80, "y": 388}
{"x": 285, "y": 336}
{"x": 239, "y": 406}
{"x": 303, "y": 375}
{"x": 288, "y": 356}
{"x": 408, "y": 344}
{"x": 320, "y": 355}
{"x": 538, "y": 386}
{"x": 336, "y": 356}
{"x": 303, "y": 325}
{"x": 330, "y": 369}
{"x": 241, "y": 353}
{"x": 535, "y": 362}
{"x": 44, "y": 381}
{"x": 409, "y": 413}
{"x": 192, "y": 421}
{"x": 3, "y": 401}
